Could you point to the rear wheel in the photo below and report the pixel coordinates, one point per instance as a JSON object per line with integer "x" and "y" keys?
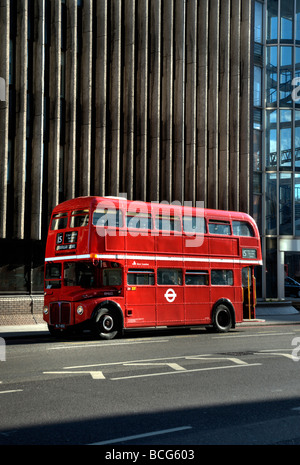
{"x": 222, "y": 319}
{"x": 106, "y": 324}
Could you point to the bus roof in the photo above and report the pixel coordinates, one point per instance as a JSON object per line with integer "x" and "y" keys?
{"x": 119, "y": 202}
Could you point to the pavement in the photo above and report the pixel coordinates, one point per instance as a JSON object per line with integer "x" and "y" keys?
{"x": 267, "y": 313}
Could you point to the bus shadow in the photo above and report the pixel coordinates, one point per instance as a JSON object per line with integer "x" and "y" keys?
{"x": 249, "y": 423}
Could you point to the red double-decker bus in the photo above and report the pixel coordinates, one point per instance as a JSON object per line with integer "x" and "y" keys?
{"x": 113, "y": 264}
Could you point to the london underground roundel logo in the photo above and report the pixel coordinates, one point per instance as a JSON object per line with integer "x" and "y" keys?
{"x": 170, "y": 295}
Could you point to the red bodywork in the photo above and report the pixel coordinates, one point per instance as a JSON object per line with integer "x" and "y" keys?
{"x": 138, "y": 257}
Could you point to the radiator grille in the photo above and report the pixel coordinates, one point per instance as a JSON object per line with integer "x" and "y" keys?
{"x": 60, "y": 313}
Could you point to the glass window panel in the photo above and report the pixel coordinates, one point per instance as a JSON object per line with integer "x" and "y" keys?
{"x": 285, "y": 148}
{"x": 258, "y": 22}
{"x": 297, "y": 145}
{"x": 285, "y": 204}
{"x": 272, "y": 20}
{"x": 271, "y": 267}
{"x": 298, "y": 20}
{"x": 222, "y": 277}
{"x": 257, "y": 210}
{"x": 271, "y": 203}
{"x": 140, "y": 277}
{"x": 257, "y": 166}
{"x": 285, "y": 116}
{"x": 219, "y": 228}
{"x": 271, "y": 140}
{"x": 286, "y": 19}
{"x": 297, "y": 204}
{"x": 297, "y": 60}
{"x": 257, "y": 87}
{"x": 271, "y": 75}
{"x": 169, "y": 277}
{"x": 196, "y": 278}
{"x": 296, "y": 82}
{"x": 285, "y": 79}
{"x": 257, "y": 183}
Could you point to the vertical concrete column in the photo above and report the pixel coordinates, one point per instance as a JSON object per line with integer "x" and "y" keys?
{"x": 246, "y": 129}
{"x": 142, "y": 97}
{"x": 234, "y": 117}
{"x": 155, "y": 99}
{"x": 101, "y": 97}
{"x": 55, "y": 106}
{"x": 202, "y": 100}
{"x": 190, "y": 103}
{"x": 167, "y": 98}
{"x": 21, "y": 114}
{"x": 38, "y": 123}
{"x": 213, "y": 104}
{"x": 71, "y": 99}
{"x": 4, "y": 109}
{"x": 86, "y": 97}
{"x": 179, "y": 100}
{"x": 224, "y": 105}
{"x": 115, "y": 96}
{"x": 129, "y": 98}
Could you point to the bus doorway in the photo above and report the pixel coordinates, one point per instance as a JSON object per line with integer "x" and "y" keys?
{"x": 249, "y": 293}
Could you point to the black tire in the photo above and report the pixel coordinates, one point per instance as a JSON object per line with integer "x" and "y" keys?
{"x": 222, "y": 319}
{"x": 106, "y": 324}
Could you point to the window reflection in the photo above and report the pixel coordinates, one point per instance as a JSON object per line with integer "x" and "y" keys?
{"x": 285, "y": 148}
{"x": 257, "y": 87}
{"x": 297, "y": 20}
{"x": 285, "y": 79}
{"x": 285, "y": 204}
{"x": 271, "y": 140}
{"x": 286, "y": 20}
{"x": 271, "y": 76}
{"x": 297, "y": 140}
{"x": 272, "y": 20}
{"x": 258, "y": 22}
{"x": 297, "y": 204}
{"x": 271, "y": 203}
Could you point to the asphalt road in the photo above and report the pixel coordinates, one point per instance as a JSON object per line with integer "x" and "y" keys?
{"x": 161, "y": 388}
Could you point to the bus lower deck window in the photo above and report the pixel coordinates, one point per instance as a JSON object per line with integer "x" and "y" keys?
{"x": 170, "y": 277}
{"x": 196, "y": 278}
{"x": 222, "y": 277}
{"x": 140, "y": 278}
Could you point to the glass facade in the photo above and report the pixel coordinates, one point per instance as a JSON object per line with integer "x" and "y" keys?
{"x": 276, "y": 144}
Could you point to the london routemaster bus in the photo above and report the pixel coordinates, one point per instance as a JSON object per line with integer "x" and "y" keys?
{"x": 112, "y": 264}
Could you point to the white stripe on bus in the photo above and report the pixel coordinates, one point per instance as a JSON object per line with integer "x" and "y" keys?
{"x": 154, "y": 257}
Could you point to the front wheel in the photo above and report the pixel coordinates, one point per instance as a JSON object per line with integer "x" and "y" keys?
{"x": 222, "y": 319}
{"x": 106, "y": 325}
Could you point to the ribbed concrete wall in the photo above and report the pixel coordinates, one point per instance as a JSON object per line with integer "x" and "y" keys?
{"x": 147, "y": 97}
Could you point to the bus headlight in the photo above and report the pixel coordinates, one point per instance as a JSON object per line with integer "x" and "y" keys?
{"x": 80, "y": 310}
{"x": 45, "y": 310}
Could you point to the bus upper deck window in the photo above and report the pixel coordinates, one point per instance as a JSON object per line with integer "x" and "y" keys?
{"x": 59, "y": 221}
{"x": 219, "y": 227}
{"x": 242, "y": 228}
{"x": 167, "y": 223}
{"x": 79, "y": 218}
{"x": 138, "y": 220}
{"x": 108, "y": 217}
{"x": 194, "y": 224}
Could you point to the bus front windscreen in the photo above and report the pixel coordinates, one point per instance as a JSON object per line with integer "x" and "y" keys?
{"x": 81, "y": 274}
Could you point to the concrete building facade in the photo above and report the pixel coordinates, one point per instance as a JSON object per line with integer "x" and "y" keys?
{"x": 150, "y": 98}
